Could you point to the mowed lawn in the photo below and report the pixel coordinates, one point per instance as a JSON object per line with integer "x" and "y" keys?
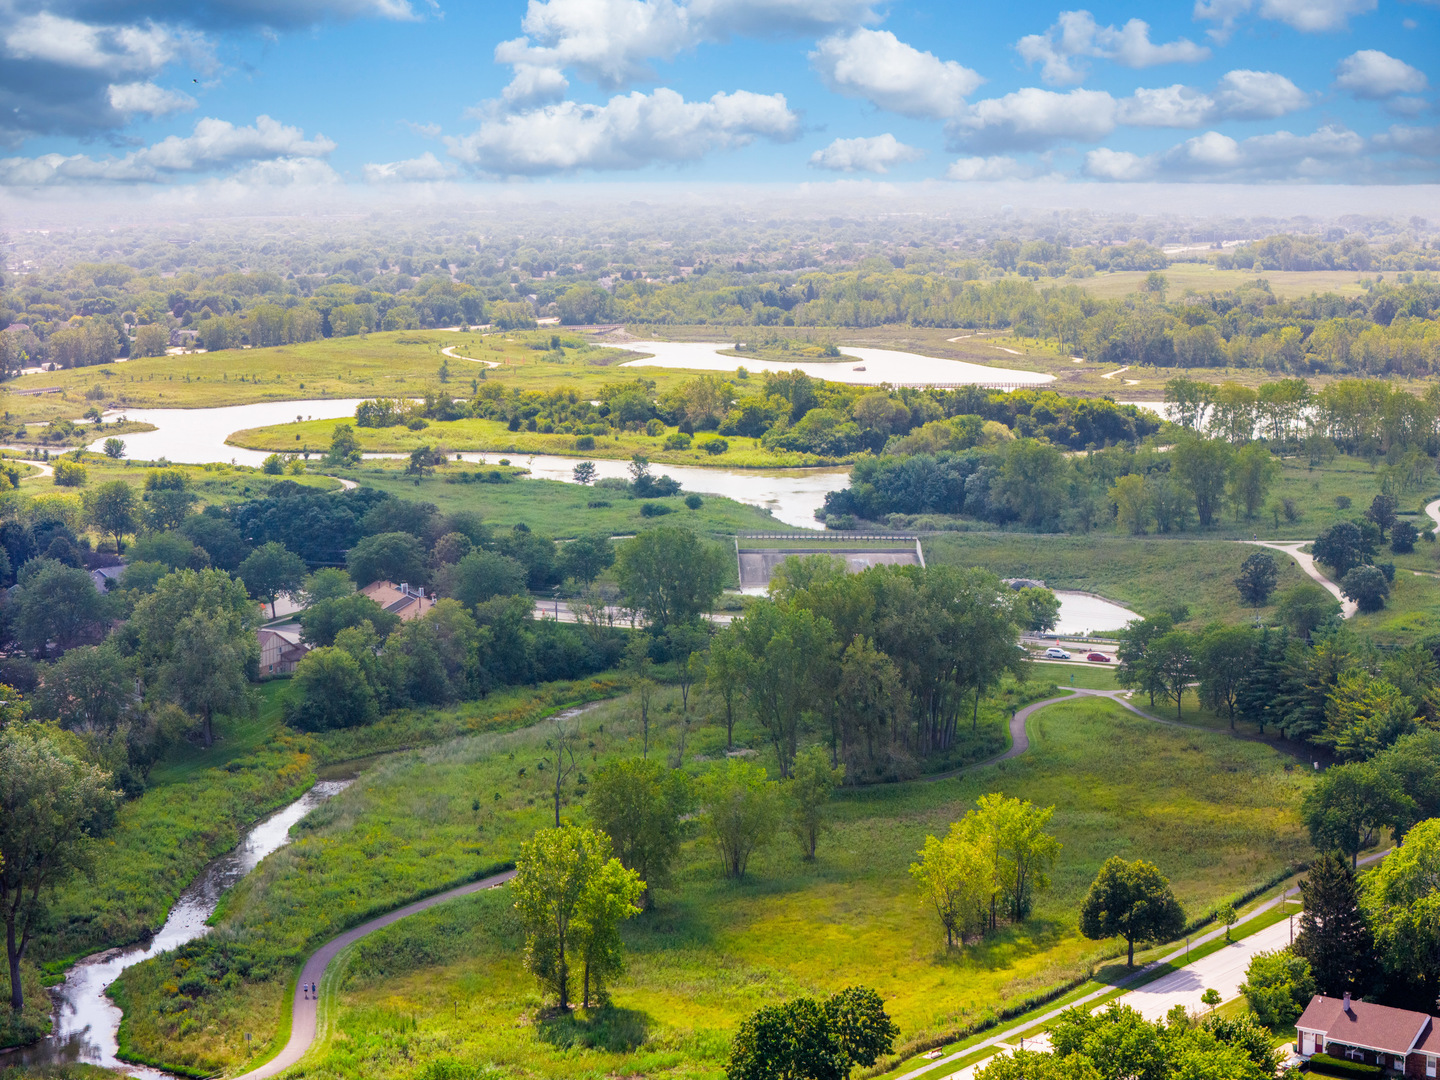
{"x": 447, "y": 990}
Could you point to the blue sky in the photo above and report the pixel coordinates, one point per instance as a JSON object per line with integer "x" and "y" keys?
{"x": 120, "y": 93}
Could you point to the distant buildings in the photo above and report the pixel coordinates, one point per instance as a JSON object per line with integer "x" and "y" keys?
{"x": 403, "y": 599}
{"x": 280, "y": 649}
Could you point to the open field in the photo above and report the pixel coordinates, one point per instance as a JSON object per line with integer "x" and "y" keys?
{"x": 1147, "y": 575}
{"x": 1206, "y": 278}
{"x": 559, "y": 509}
{"x": 445, "y": 989}
{"x": 214, "y": 483}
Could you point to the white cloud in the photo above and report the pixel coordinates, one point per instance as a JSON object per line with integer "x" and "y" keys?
{"x": 630, "y": 131}
{"x": 425, "y": 167}
{"x": 1240, "y": 95}
{"x": 878, "y": 66}
{"x": 1031, "y": 119}
{"x": 1410, "y": 140}
{"x": 1373, "y": 75}
{"x": 533, "y": 85}
{"x": 147, "y": 98}
{"x": 987, "y": 168}
{"x": 1307, "y": 16}
{"x": 1076, "y": 37}
{"x": 613, "y": 42}
{"x": 72, "y": 44}
{"x": 875, "y": 154}
{"x": 1330, "y": 153}
{"x": 273, "y": 149}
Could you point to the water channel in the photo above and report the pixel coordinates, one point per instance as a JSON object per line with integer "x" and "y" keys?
{"x": 86, "y": 1020}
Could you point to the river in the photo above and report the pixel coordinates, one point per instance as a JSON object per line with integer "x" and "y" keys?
{"x": 861, "y": 366}
{"x": 197, "y": 436}
{"x": 85, "y": 1019}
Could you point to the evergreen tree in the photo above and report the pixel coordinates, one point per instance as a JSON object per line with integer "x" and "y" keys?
{"x": 1333, "y": 935}
{"x": 1263, "y": 682}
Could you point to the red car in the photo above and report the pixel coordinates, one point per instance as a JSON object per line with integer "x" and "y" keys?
{"x": 1098, "y": 657}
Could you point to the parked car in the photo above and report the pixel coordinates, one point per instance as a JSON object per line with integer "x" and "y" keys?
{"x": 1098, "y": 657}
{"x": 1056, "y": 653}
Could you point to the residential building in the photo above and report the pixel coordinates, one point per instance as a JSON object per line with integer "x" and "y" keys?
{"x": 404, "y": 599}
{"x": 280, "y": 649}
{"x": 1398, "y": 1040}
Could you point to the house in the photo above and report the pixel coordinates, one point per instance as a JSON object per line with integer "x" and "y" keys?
{"x": 107, "y": 577}
{"x": 403, "y": 600}
{"x": 184, "y": 339}
{"x": 280, "y": 649}
{"x": 1395, "y": 1039}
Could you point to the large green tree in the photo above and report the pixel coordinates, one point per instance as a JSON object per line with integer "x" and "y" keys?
{"x": 270, "y": 570}
{"x": 741, "y": 809}
{"x": 112, "y": 508}
{"x": 670, "y": 575}
{"x": 51, "y": 805}
{"x": 813, "y": 780}
{"x": 329, "y": 690}
{"x": 1202, "y": 467}
{"x": 789, "y": 651}
{"x": 1348, "y": 805}
{"x": 1401, "y": 900}
{"x": 1131, "y": 900}
{"x": 639, "y": 803}
{"x": 1332, "y": 935}
{"x": 805, "y": 1039}
{"x": 56, "y": 605}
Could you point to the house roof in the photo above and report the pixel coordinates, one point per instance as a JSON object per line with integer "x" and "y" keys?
{"x": 1373, "y": 1027}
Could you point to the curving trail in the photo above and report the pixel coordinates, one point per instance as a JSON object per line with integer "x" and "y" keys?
{"x": 1307, "y": 564}
{"x": 1433, "y": 510}
{"x": 345, "y": 485}
{"x": 45, "y": 468}
{"x": 449, "y": 351}
{"x": 304, "y": 1005}
{"x": 1112, "y": 374}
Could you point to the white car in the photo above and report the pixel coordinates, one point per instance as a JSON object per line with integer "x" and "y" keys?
{"x": 1054, "y": 653}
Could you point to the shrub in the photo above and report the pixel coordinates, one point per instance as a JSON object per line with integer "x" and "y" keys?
{"x": 1342, "y": 502}
{"x": 678, "y": 441}
{"x": 416, "y": 423}
{"x": 70, "y": 473}
{"x": 274, "y": 465}
{"x": 654, "y": 509}
{"x": 654, "y": 429}
{"x": 1278, "y": 986}
{"x": 585, "y": 442}
{"x": 596, "y": 504}
{"x": 1367, "y": 586}
{"x": 715, "y": 446}
{"x": 1402, "y": 537}
{"x": 694, "y": 502}
{"x": 1341, "y": 1067}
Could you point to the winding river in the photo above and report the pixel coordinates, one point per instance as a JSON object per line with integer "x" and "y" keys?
{"x": 86, "y": 1020}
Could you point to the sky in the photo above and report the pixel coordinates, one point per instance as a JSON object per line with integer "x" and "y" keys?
{"x": 125, "y": 94}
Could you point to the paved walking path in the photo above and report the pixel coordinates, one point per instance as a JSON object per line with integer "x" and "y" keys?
{"x": 449, "y": 351}
{"x": 1307, "y": 564}
{"x": 303, "y": 1008}
{"x": 1433, "y": 510}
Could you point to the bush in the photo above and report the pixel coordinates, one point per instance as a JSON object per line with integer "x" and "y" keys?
{"x": 654, "y": 509}
{"x": 654, "y": 429}
{"x": 585, "y": 442}
{"x": 1367, "y": 586}
{"x": 70, "y": 473}
{"x": 596, "y": 504}
{"x": 416, "y": 423}
{"x": 1278, "y": 986}
{"x": 694, "y": 502}
{"x": 714, "y": 446}
{"x": 1342, "y": 502}
{"x": 1341, "y": 1067}
{"x": 1402, "y": 537}
{"x": 678, "y": 441}
{"x": 274, "y": 465}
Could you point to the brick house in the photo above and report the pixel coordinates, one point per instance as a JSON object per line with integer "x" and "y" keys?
{"x": 280, "y": 650}
{"x": 403, "y": 599}
{"x": 1398, "y": 1040}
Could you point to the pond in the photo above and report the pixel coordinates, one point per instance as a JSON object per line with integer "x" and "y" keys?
{"x": 1086, "y": 613}
{"x": 860, "y": 367}
{"x": 197, "y": 436}
{"x": 85, "y": 1019}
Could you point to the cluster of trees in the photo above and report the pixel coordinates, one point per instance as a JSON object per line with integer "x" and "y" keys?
{"x": 989, "y": 867}
{"x": 884, "y": 663}
{"x": 805, "y": 1039}
{"x": 1118, "y": 1043}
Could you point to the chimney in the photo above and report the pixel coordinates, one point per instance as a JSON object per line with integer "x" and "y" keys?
{"x": 1345, "y": 1004}
{"x": 404, "y": 587}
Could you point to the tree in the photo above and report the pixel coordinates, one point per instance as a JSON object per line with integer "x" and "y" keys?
{"x": 1202, "y": 466}
{"x": 812, "y": 781}
{"x": 611, "y": 896}
{"x": 270, "y": 570}
{"x": 1306, "y": 607}
{"x": 1038, "y": 608}
{"x": 480, "y": 576}
{"x": 344, "y": 447}
{"x": 322, "y": 622}
{"x": 586, "y": 557}
{"x": 788, "y": 648}
{"x": 1382, "y": 513}
{"x": 1258, "y": 575}
{"x": 1211, "y": 997}
{"x": 327, "y": 583}
{"x": 1172, "y": 657}
{"x": 87, "y": 689}
{"x": 639, "y": 804}
{"x": 953, "y": 876}
{"x": 196, "y": 642}
{"x": 1132, "y": 900}
{"x": 423, "y": 460}
{"x": 392, "y": 556}
{"x": 1332, "y": 936}
{"x": 804, "y": 1039}
{"x": 562, "y": 741}
{"x": 670, "y": 575}
{"x": 1349, "y": 804}
{"x": 55, "y": 604}
{"x": 1341, "y": 547}
{"x": 1226, "y": 914}
{"x": 741, "y": 810}
{"x": 1402, "y": 907}
{"x": 557, "y": 876}
{"x": 1137, "y": 669}
{"x": 1364, "y": 714}
{"x": 724, "y": 675}
{"x": 1278, "y": 986}
{"x": 1366, "y": 585}
{"x": 111, "y": 508}
{"x": 1252, "y": 470}
{"x": 584, "y": 473}
{"x": 1132, "y": 499}
{"x": 1223, "y": 656}
{"x": 1402, "y": 537}
{"x": 114, "y": 449}
{"x": 70, "y": 473}
{"x": 329, "y": 691}
{"x": 51, "y": 805}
